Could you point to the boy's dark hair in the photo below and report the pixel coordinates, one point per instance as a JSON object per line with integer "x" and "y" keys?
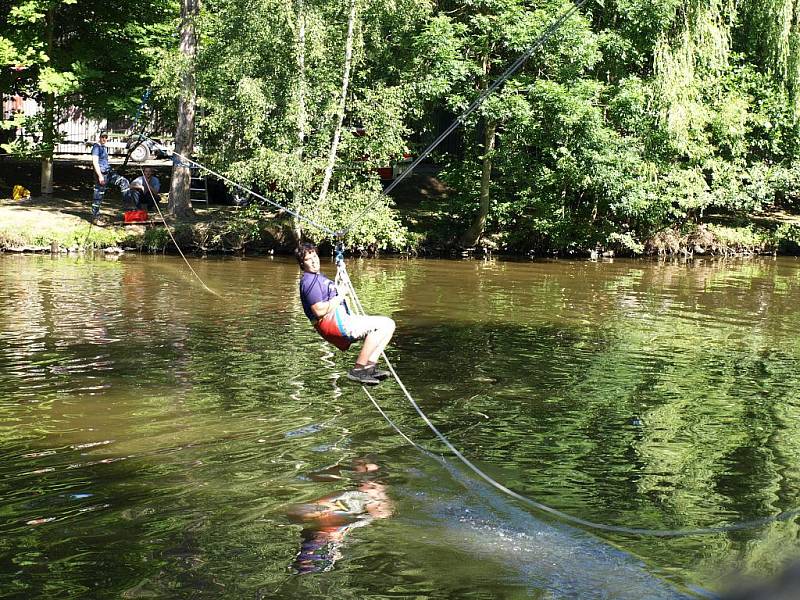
{"x": 302, "y": 250}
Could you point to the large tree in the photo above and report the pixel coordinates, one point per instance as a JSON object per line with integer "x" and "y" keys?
{"x": 85, "y": 54}
{"x": 461, "y": 52}
{"x": 180, "y": 203}
{"x": 272, "y": 108}
{"x": 637, "y": 115}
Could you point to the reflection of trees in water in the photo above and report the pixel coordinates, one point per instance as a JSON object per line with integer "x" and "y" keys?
{"x": 654, "y": 395}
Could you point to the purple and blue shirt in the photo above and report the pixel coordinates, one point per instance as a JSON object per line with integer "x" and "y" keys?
{"x": 315, "y": 287}
{"x": 101, "y": 152}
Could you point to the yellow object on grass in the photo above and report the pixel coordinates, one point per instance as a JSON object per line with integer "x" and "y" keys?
{"x": 20, "y": 193}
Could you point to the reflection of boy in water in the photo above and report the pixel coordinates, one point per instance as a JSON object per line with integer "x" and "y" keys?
{"x": 327, "y": 520}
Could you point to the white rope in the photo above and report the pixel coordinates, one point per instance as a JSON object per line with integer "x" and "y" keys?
{"x": 342, "y": 276}
{"x": 169, "y": 231}
{"x": 190, "y": 163}
{"x": 521, "y": 59}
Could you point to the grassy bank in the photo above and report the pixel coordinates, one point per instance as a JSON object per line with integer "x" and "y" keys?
{"x": 37, "y": 224}
{"x": 769, "y": 237}
{"x": 25, "y": 227}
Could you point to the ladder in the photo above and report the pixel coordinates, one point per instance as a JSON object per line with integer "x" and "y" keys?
{"x": 198, "y": 186}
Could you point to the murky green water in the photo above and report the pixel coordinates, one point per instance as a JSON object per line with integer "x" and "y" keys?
{"x": 156, "y": 440}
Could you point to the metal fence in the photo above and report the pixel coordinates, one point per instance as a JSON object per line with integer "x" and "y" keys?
{"x": 77, "y": 132}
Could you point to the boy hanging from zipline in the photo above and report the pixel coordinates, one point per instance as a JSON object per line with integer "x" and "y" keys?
{"x": 326, "y": 308}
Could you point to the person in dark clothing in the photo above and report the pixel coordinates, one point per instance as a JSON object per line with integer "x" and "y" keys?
{"x": 144, "y": 190}
{"x": 104, "y": 175}
{"x": 326, "y": 307}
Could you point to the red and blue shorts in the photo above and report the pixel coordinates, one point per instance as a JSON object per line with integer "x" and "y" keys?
{"x": 342, "y": 329}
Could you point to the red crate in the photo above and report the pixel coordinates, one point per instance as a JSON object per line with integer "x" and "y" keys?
{"x": 135, "y": 216}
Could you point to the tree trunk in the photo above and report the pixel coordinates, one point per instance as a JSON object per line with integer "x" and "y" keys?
{"x": 474, "y": 233}
{"x": 180, "y": 203}
{"x": 297, "y": 229}
{"x": 348, "y": 56}
{"x": 48, "y": 132}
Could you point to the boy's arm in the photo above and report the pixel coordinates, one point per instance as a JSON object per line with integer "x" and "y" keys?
{"x": 320, "y": 309}
{"x": 96, "y": 165}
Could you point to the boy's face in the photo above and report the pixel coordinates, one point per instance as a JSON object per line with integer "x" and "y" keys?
{"x": 311, "y": 262}
{"x": 103, "y": 139}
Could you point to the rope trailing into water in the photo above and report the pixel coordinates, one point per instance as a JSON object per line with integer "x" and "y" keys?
{"x": 169, "y": 231}
{"x": 343, "y": 278}
{"x": 88, "y": 233}
{"x": 538, "y": 43}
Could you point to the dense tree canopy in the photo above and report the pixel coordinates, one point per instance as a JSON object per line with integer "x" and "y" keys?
{"x": 635, "y": 116}
{"x": 93, "y": 55}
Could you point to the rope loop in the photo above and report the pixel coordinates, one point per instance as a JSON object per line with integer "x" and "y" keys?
{"x": 339, "y": 255}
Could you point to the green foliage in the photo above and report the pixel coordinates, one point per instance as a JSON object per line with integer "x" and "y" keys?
{"x": 86, "y": 54}
{"x": 633, "y": 117}
{"x": 787, "y": 238}
{"x": 658, "y": 118}
{"x": 250, "y": 85}
{"x": 69, "y": 233}
{"x": 155, "y": 239}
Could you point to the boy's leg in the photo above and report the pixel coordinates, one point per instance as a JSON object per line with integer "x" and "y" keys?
{"x": 376, "y": 333}
{"x": 97, "y": 199}
{"x": 124, "y": 185}
{"x": 382, "y": 329}
{"x": 136, "y": 197}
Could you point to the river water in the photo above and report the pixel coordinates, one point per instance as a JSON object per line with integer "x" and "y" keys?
{"x": 158, "y": 441}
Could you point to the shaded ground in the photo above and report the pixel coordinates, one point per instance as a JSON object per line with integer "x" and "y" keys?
{"x": 65, "y": 216}
{"x": 215, "y": 227}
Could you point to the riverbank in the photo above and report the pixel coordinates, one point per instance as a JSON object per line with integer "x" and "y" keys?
{"x": 39, "y": 224}
{"x": 62, "y": 223}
